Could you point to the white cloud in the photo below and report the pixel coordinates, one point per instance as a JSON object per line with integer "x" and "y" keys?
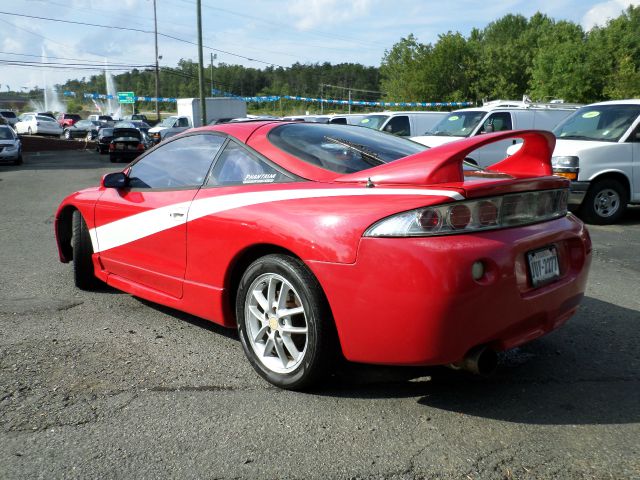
{"x": 599, "y": 14}
{"x": 318, "y": 13}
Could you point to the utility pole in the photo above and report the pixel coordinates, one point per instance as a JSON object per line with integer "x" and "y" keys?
{"x": 211, "y": 73}
{"x": 155, "y": 25}
{"x": 321, "y": 102}
{"x": 349, "y": 100}
{"x": 203, "y": 106}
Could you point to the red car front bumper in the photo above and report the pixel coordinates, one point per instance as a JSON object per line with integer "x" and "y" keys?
{"x": 413, "y": 301}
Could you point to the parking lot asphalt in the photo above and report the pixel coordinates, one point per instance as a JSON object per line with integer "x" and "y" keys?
{"x": 104, "y": 385}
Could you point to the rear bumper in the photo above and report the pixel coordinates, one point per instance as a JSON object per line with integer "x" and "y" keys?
{"x": 413, "y": 301}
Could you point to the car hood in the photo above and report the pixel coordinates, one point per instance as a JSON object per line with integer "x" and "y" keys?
{"x": 434, "y": 140}
{"x": 575, "y": 147}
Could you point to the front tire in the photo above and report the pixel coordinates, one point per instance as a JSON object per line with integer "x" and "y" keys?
{"x": 284, "y": 322}
{"x": 605, "y": 202}
{"x": 67, "y": 134}
{"x": 83, "y": 273}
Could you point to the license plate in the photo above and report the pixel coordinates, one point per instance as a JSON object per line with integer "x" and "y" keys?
{"x": 543, "y": 266}
{"x": 120, "y": 146}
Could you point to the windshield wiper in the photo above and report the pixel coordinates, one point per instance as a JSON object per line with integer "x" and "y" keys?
{"x": 578, "y": 137}
{"x": 368, "y": 156}
{"x": 442, "y": 133}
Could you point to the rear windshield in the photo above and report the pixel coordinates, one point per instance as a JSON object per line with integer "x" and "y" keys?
{"x": 603, "y": 123}
{"x": 126, "y": 132}
{"x": 341, "y": 148}
{"x": 106, "y": 132}
{"x": 72, "y": 116}
{"x": 8, "y": 114}
{"x": 42, "y": 118}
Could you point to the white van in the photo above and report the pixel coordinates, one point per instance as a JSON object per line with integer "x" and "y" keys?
{"x": 494, "y": 117}
{"x": 598, "y": 149}
{"x": 403, "y": 124}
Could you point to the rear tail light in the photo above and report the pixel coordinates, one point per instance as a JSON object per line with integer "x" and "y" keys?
{"x": 112, "y": 147}
{"x": 140, "y": 147}
{"x": 474, "y": 215}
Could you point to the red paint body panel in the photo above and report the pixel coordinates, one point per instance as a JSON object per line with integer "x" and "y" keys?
{"x": 157, "y": 261}
{"x": 394, "y": 300}
{"x": 413, "y": 301}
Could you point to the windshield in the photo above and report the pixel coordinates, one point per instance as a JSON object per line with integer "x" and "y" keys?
{"x": 8, "y": 114}
{"x": 41, "y": 118}
{"x": 457, "y": 124}
{"x": 6, "y": 134}
{"x": 167, "y": 122}
{"x": 341, "y": 148}
{"x": 603, "y": 123}
{"x": 373, "y": 121}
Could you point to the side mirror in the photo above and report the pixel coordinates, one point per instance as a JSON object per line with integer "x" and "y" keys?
{"x": 115, "y": 180}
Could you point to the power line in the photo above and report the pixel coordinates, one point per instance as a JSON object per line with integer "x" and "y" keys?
{"x": 138, "y": 30}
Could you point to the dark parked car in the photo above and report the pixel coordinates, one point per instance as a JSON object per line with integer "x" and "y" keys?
{"x": 126, "y": 145}
{"x": 140, "y": 125}
{"x": 136, "y": 116}
{"x": 105, "y": 135}
{"x": 83, "y": 129}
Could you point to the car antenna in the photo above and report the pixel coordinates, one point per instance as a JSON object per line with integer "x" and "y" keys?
{"x": 370, "y": 184}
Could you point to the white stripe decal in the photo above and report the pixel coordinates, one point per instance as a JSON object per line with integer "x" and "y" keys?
{"x": 135, "y": 227}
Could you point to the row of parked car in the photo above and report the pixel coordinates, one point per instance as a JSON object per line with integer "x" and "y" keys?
{"x": 597, "y": 148}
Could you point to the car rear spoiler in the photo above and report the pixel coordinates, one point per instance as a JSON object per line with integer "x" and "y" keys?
{"x": 443, "y": 164}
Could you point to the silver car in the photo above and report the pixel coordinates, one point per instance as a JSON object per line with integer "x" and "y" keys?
{"x": 10, "y": 146}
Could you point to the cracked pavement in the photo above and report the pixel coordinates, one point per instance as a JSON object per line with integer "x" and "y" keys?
{"x": 104, "y": 385}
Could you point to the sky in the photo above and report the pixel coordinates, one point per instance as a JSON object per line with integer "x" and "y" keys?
{"x": 254, "y": 33}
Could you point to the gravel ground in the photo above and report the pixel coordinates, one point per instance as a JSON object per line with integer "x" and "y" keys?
{"x": 104, "y": 385}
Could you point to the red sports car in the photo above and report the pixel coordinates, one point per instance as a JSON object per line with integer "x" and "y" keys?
{"x": 315, "y": 239}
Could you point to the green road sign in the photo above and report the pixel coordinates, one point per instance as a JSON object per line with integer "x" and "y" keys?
{"x": 126, "y": 97}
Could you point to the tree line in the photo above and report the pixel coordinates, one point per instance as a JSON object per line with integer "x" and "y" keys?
{"x": 514, "y": 56}
{"x": 510, "y": 57}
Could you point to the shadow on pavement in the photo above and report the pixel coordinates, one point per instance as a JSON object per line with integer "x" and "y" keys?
{"x": 585, "y": 373}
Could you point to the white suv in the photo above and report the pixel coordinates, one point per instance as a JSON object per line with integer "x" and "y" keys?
{"x": 598, "y": 149}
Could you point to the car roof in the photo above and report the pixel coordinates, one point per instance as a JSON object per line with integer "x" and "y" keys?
{"x": 631, "y": 101}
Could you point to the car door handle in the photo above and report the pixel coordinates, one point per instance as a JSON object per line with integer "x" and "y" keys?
{"x": 178, "y": 213}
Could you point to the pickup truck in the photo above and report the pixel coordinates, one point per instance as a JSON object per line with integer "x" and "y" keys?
{"x": 67, "y": 119}
{"x": 168, "y": 127}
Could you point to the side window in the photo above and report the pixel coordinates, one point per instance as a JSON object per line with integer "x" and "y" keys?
{"x": 497, "y": 122}
{"x": 635, "y": 135}
{"x": 399, "y": 126}
{"x": 183, "y": 122}
{"x": 237, "y": 166}
{"x": 182, "y": 163}
{"x": 339, "y": 120}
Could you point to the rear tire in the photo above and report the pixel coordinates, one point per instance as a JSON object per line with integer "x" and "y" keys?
{"x": 18, "y": 160}
{"x": 289, "y": 340}
{"x": 83, "y": 272}
{"x": 67, "y": 134}
{"x": 605, "y": 202}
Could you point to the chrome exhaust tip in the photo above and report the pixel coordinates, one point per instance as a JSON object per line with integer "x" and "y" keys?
{"x": 480, "y": 361}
